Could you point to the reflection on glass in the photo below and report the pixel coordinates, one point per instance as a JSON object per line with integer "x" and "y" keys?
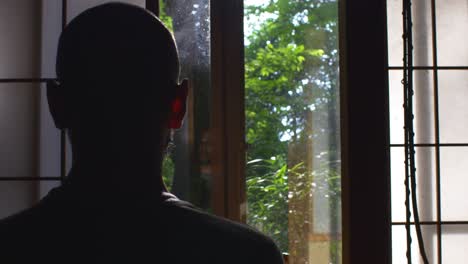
{"x": 292, "y": 126}
{"x": 186, "y": 169}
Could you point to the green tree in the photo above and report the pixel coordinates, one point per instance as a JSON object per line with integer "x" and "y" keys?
{"x": 291, "y": 76}
{"x": 291, "y": 65}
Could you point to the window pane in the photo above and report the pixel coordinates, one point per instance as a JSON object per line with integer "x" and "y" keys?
{"x": 453, "y": 95}
{"x": 452, "y": 18}
{"x": 18, "y": 129}
{"x": 46, "y": 186}
{"x": 453, "y": 167}
{"x": 49, "y": 139}
{"x": 51, "y": 26}
{"x": 423, "y": 101}
{"x": 429, "y": 234}
{"x": 187, "y": 168}
{"x": 16, "y": 196}
{"x": 292, "y": 126}
{"x": 454, "y": 243}
{"x": 395, "y": 32}
{"x": 426, "y": 183}
{"x": 451, "y": 21}
{"x": 19, "y": 44}
{"x": 422, "y": 32}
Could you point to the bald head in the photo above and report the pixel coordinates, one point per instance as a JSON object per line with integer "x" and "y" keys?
{"x": 116, "y": 41}
{"x": 116, "y": 62}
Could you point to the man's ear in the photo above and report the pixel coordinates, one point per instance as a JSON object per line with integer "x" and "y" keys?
{"x": 56, "y": 100}
{"x": 178, "y": 105}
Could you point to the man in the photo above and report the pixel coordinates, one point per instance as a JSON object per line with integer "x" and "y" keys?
{"x": 118, "y": 98}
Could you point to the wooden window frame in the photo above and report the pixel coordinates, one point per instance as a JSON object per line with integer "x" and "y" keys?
{"x": 364, "y": 123}
{"x": 365, "y": 132}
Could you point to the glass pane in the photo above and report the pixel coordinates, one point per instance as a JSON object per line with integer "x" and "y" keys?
{"x": 395, "y": 32}
{"x": 18, "y": 129}
{"x": 452, "y": 18}
{"x": 423, "y": 107}
{"x": 46, "y": 186}
{"x": 16, "y": 196}
{"x": 453, "y": 111}
{"x": 19, "y": 45}
{"x": 422, "y": 32}
{"x": 292, "y": 126}
{"x": 429, "y": 234}
{"x": 426, "y": 186}
{"x": 49, "y": 139}
{"x": 453, "y": 167}
{"x": 187, "y": 168}
{"x": 454, "y": 243}
{"x": 397, "y": 135}
{"x": 51, "y": 28}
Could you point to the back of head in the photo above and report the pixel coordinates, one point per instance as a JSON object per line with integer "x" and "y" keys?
{"x": 116, "y": 61}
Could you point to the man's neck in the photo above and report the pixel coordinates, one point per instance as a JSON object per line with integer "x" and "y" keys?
{"x": 114, "y": 182}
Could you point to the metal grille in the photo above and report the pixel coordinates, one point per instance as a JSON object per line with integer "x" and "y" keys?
{"x": 436, "y": 145}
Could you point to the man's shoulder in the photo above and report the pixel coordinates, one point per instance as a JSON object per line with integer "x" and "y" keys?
{"x": 21, "y": 231}
{"x": 20, "y": 220}
{"x": 223, "y": 235}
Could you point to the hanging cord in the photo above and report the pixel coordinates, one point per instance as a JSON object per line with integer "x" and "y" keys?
{"x": 410, "y": 165}
{"x": 407, "y": 172}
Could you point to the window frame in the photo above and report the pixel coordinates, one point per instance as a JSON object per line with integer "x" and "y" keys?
{"x": 365, "y": 132}
{"x": 228, "y": 121}
{"x": 364, "y": 124}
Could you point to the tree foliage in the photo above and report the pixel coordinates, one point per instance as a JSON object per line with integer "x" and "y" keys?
{"x": 291, "y": 70}
{"x": 291, "y": 89}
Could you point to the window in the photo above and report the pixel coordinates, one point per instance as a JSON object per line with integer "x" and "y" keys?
{"x": 187, "y": 169}
{"x": 292, "y": 100}
{"x": 20, "y": 63}
{"x": 36, "y": 151}
{"x": 440, "y": 78}
{"x": 34, "y": 156}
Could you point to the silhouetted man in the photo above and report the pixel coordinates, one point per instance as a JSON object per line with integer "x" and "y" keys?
{"x": 118, "y": 98}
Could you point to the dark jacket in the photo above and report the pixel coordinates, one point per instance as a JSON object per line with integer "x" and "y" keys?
{"x": 61, "y": 229}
